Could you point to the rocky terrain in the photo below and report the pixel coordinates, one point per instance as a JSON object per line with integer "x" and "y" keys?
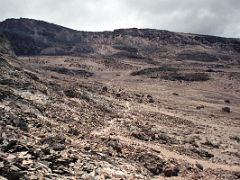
{"x": 127, "y": 104}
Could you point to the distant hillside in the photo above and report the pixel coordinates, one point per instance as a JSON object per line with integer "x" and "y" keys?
{"x": 32, "y": 37}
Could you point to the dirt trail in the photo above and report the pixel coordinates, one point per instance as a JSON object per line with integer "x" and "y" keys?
{"x": 104, "y": 131}
{"x": 171, "y": 154}
{"x": 189, "y": 118}
{"x": 120, "y": 77}
{"x": 159, "y": 148}
{"x": 167, "y": 153}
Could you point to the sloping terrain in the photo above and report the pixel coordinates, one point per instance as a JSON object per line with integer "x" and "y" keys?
{"x": 128, "y": 104}
{"x": 31, "y": 37}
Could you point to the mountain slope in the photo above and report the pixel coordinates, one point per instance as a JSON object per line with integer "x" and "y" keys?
{"x": 43, "y": 121}
{"x": 127, "y": 104}
{"x": 32, "y": 37}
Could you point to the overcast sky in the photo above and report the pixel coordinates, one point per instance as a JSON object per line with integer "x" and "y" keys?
{"x": 215, "y": 17}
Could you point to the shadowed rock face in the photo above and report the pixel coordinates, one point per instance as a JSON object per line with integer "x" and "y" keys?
{"x": 5, "y": 47}
{"x": 32, "y": 37}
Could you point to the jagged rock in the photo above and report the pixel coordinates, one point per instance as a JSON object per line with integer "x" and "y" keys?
{"x": 152, "y": 162}
{"x": 104, "y": 89}
{"x": 71, "y": 93}
{"x": 202, "y": 153}
{"x": 211, "y": 143}
{"x": 58, "y": 147}
{"x": 165, "y": 139}
{"x": 150, "y": 99}
{"x": 74, "y": 131}
{"x": 141, "y": 136}
{"x": 115, "y": 145}
{"x": 13, "y": 175}
{"x": 15, "y": 120}
{"x": 199, "y": 166}
{"x": 14, "y": 146}
{"x": 191, "y": 140}
{"x": 54, "y": 139}
{"x": 171, "y": 170}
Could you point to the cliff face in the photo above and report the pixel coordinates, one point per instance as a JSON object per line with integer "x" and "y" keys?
{"x": 32, "y": 37}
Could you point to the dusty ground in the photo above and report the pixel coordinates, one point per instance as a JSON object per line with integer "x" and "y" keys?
{"x": 132, "y": 104}
{"x": 141, "y": 126}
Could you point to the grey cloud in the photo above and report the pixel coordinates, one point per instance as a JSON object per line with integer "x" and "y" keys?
{"x": 216, "y": 17}
{"x": 203, "y": 16}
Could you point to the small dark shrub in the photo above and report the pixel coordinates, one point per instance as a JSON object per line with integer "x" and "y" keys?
{"x": 148, "y": 71}
{"x": 200, "y": 107}
{"x": 227, "y": 101}
{"x": 71, "y": 93}
{"x": 226, "y": 109}
{"x": 104, "y": 89}
{"x": 186, "y": 77}
{"x": 210, "y": 70}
